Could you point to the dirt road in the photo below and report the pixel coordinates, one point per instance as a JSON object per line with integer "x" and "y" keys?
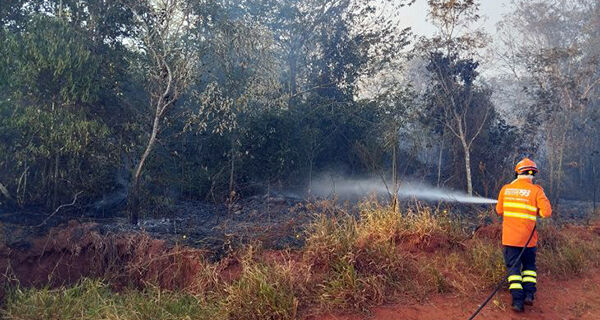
{"x": 578, "y": 298}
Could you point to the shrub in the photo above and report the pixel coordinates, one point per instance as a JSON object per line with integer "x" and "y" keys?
{"x": 568, "y": 252}
{"x": 361, "y": 258}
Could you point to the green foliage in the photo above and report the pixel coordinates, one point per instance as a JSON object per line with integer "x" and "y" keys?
{"x": 51, "y": 66}
{"x": 52, "y": 144}
{"x": 92, "y": 299}
{"x": 280, "y": 93}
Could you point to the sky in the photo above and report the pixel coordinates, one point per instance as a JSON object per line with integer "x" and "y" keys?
{"x": 491, "y": 11}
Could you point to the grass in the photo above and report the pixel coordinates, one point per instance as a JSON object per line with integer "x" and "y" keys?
{"x": 261, "y": 292}
{"x": 93, "y": 299}
{"x": 349, "y": 263}
{"x": 568, "y": 252}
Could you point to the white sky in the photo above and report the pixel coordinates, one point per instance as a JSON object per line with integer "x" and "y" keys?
{"x": 491, "y": 11}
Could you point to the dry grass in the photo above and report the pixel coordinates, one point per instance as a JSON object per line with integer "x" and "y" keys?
{"x": 349, "y": 263}
{"x": 569, "y": 251}
{"x": 263, "y": 291}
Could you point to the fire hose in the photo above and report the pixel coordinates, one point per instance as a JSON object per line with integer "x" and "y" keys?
{"x": 501, "y": 283}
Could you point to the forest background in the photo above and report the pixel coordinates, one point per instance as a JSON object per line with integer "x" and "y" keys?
{"x": 147, "y": 103}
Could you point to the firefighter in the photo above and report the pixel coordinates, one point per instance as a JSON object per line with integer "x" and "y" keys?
{"x": 520, "y": 203}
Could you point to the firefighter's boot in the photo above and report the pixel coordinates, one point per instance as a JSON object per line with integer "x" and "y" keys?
{"x": 517, "y": 306}
{"x": 516, "y": 291}
{"x": 529, "y": 299}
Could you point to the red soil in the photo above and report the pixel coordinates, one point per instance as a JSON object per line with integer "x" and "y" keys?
{"x": 68, "y": 253}
{"x": 79, "y": 250}
{"x": 578, "y": 298}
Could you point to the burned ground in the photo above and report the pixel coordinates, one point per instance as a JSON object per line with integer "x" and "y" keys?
{"x": 313, "y": 244}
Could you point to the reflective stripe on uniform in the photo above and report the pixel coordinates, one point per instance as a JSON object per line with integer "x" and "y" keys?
{"x": 515, "y": 286}
{"x": 529, "y": 279}
{"x": 514, "y": 278}
{"x": 529, "y": 273}
{"x": 519, "y": 215}
{"x": 520, "y": 206}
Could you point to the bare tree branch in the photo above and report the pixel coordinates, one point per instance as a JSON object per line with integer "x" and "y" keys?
{"x": 60, "y": 208}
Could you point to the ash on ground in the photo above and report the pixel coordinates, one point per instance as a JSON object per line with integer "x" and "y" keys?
{"x": 276, "y": 222}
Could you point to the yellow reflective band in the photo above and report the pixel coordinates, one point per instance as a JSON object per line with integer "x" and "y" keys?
{"x": 516, "y": 286}
{"x": 520, "y": 206}
{"x": 529, "y": 273}
{"x": 529, "y": 279}
{"x": 514, "y": 278}
{"x": 542, "y": 214}
{"x": 519, "y": 215}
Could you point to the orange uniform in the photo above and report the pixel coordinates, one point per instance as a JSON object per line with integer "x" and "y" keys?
{"x": 520, "y": 202}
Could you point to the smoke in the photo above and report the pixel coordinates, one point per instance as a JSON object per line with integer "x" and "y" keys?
{"x": 408, "y": 190}
{"x": 116, "y": 198}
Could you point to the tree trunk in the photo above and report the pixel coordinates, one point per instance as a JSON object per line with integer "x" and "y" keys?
{"x": 581, "y": 172}
{"x": 395, "y": 178}
{"x": 293, "y": 74}
{"x": 394, "y": 165}
{"x": 467, "y": 151}
{"x": 310, "y": 170}
{"x": 551, "y": 156}
{"x": 133, "y": 196}
{"x": 594, "y": 177}
{"x": 439, "y": 164}
{"x": 551, "y": 162}
{"x": 561, "y": 158}
{"x": 232, "y": 175}
{"x": 559, "y": 169}
{"x": 55, "y": 184}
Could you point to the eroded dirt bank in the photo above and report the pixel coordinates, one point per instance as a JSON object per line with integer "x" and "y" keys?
{"x": 67, "y": 253}
{"x": 578, "y": 298}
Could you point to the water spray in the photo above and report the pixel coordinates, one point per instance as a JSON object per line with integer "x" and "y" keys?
{"x": 407, "y": 190}
{"x": 423, "y": 192}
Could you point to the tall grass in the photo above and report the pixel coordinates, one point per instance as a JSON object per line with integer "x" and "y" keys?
{"x": 569, "y": 251}
{"x": 93, "y": 299}
{"x": 262, "y": 292}
{"x": 349, "y": 263}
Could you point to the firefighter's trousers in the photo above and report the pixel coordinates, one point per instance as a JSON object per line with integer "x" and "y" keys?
{"x": 522, "y": 277}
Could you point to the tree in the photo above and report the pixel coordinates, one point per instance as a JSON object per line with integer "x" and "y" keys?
{"x": 244, "y": 69}
{"x": 552, "y": 48}
{"x": 167, "y": 61}
{"x": 299, "y": 26}
{"x": 453, "y": 70}
{"x": 456, "y": 95}
{"x": 54, "y": 138}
